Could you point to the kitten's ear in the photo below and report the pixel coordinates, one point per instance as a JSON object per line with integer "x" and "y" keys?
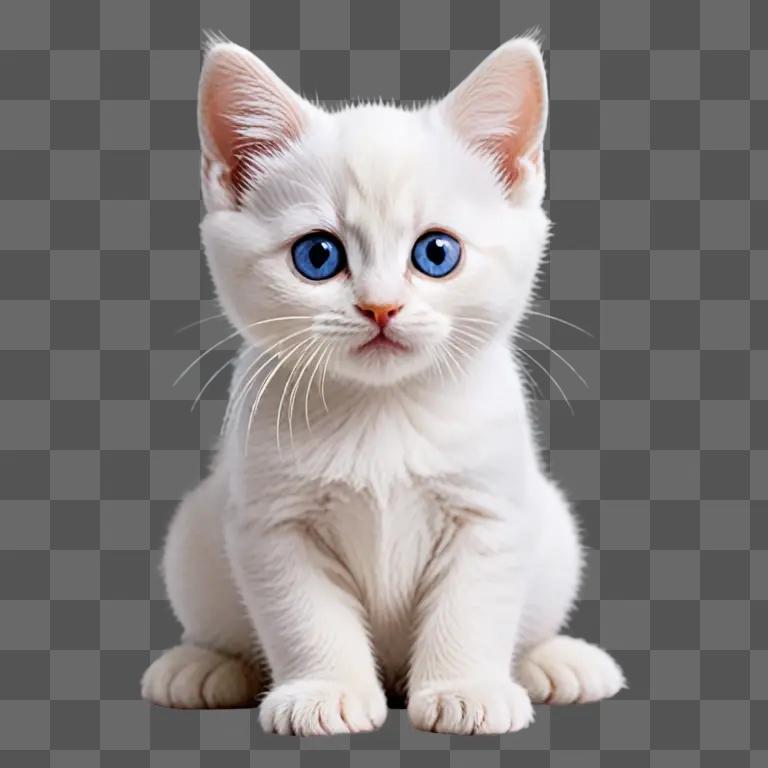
{"x": 501, "y": 107}
{"x": 244, "y": 113}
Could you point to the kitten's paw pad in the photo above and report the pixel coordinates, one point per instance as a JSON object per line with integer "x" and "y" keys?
{"x": 189, "y": 677}
{"x": 322, "y": 708}
{"x": 565, "y": 670}
{"x": 485, "y": 706}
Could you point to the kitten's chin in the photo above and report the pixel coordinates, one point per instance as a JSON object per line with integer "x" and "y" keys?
{"x": 380, "y": 364}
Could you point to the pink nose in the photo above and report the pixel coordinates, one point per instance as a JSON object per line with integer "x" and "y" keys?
{"x": 380, "y": 314}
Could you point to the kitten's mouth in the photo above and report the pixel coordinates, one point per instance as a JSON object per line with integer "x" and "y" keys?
{"x": 384, "y": 343}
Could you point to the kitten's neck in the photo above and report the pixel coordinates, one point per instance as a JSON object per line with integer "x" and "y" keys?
{"x": 374, "y": 437}
{"x": 489, "y": 381}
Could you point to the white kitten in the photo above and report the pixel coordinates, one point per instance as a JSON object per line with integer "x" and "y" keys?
{"x": 377, "y": 517}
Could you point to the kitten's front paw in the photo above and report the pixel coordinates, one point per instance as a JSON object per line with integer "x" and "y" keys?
{"x": 566, "y": 670}
{"x": 470, "y": 706}
{"x": 321, "y": 708}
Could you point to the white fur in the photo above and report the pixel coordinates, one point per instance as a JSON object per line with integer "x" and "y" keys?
{"x": 381, "y": 521}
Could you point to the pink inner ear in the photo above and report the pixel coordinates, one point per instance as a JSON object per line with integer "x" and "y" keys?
{"x": 501, "y": 108}
{"x": 242, "y": 157}
{"x": 508, "y": 158}
{"x": 246, "y": 112}
{"x": 520, "y": 141}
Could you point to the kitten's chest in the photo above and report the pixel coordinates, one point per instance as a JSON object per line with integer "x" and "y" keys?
{"x": 385, "y": 541}
{"x": 386, "y": 546}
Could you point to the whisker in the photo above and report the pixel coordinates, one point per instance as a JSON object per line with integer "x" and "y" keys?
{"x": 232, "y": 336}
{"x": 480, "y": 320}
{"x": 326, "y": 349}
{"x": 239, "y": 398}
{"x": 233, "y": 398}
{"x": 200, "y": 357}
{"x": 461, "y": 346}
{"x": 463, "y": 340}
{"x": 265, "y": 384}
{"x": 535, "y": 389}
{"x": 456, "y": 366}
{"x": 340, "y": 322}
{"x": 235, "y": 405}
{"x": 286, "y": 384}
{"x": 322, "y": 378}
{"x": 530, "y": 378}
{"x": 336, "y": 331}
{"x": 288, "y": 379}
{"x": 556, "y": 354}
{"x": 445, "y": 369}
{"x": 453, "y": 360}
{"x": 475, "y": 335}
{"x": 551, "y": 377}
{"x": 295, "y": 390}
{"x": 560, "y": 320}
{"x": 437, "y": 362}
{"x": 199, "y": 322}
{"x": 207, "y": 383}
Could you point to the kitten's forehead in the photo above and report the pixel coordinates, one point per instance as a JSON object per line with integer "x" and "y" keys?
{"x": 382, "y": 161}
{"x": 380, "y": 176}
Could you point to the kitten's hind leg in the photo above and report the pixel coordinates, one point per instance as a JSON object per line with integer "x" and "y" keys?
{"x": 216, "y": 665}
{"x": 566, "y": 670}
{"x": 190, "y": 677}
{"x": 555, "y": 668}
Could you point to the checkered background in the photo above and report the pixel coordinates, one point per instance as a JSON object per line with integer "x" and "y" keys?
{"x": 658, "y": 163}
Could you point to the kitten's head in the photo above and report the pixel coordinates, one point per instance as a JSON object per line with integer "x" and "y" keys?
{"x": 396, "y": 241}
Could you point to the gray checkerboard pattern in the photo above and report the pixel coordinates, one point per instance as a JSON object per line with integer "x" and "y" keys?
{"x": 658, "y": 164}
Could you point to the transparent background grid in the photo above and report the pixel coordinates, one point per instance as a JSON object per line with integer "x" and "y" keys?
{"x": 658, "y": 171}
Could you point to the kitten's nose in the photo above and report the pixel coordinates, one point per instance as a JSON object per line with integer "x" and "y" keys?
{"x": 381, "y": 314}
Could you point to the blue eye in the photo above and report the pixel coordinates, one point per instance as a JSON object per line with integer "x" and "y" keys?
{"x": 318, "y": 256}
{"x": 436, "y": 254}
